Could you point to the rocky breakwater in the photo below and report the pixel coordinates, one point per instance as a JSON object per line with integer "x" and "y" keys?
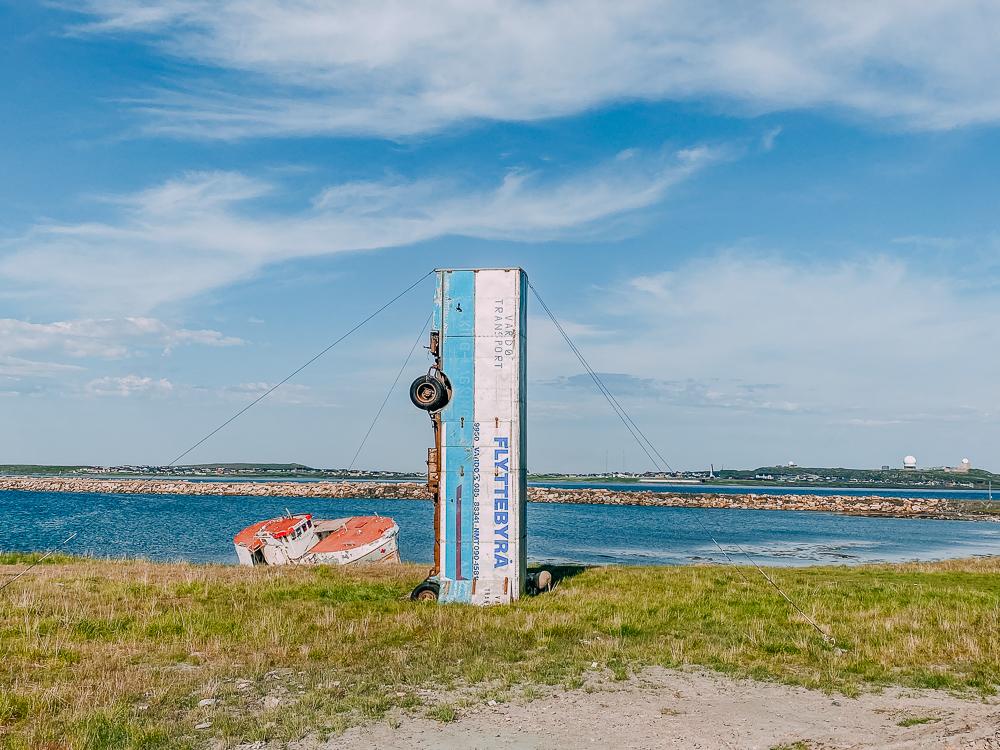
{"x": 401, "y": 491}
{"x": 845, "y": 504}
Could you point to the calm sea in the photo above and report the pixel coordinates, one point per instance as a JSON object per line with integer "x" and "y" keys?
{"x": 200, "y": 528}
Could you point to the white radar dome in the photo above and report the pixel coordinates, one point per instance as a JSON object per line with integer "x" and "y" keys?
{"x": 910, "y": 461}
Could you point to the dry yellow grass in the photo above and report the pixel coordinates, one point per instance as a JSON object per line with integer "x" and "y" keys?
{"x": 97, "y": 654}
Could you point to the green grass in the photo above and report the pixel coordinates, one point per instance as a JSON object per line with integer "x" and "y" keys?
{"x": 444, "y": 712}
{"x": 24, "y": 559}
{"x": 914, "y": 721}
{"x": 97, "y": 653}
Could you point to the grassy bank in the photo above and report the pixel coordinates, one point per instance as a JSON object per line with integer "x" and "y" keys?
{"x": 100, "y": 654}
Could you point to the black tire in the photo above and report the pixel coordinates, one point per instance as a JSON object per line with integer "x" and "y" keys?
{"x": 426, "y": 592}
{"x": 429, "y": 394}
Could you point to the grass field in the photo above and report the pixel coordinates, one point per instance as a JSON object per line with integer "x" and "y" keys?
{"x": 99, "y": 654}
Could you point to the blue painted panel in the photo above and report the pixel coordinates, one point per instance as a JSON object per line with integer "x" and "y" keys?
{"x": 459, "y": 296}
{"x": 455, "y": 591}
{"x": 459, "y": 367}
{"x": 457, "y": 305}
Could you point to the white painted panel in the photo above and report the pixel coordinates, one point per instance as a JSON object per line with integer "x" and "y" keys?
{"x": 499, "y": 552}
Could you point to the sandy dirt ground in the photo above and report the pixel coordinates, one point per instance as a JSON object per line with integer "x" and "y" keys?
{"x": 670, "y": 709}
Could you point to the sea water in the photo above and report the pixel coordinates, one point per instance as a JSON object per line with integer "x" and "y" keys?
{"x": 201, "y": 527}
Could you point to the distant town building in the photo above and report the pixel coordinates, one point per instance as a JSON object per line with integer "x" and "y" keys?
{"x": 886, "y": 467}
{"x": 910, "y": 463}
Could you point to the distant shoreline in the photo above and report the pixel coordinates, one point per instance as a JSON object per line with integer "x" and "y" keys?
{"x": 904, "y": 507}
{"x": 778, "y": 478}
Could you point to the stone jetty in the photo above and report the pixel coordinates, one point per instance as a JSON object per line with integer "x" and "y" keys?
{"x": 845, "y": 504}
{"x": 399, "y": 491}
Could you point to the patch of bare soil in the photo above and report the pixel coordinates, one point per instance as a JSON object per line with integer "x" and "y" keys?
{"x": 672, "y": 709}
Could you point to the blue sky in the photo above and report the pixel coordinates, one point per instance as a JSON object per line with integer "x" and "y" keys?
{"x": 774, "y": 229}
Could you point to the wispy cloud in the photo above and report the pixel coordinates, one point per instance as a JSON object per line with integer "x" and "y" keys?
{"x": 84, "y": 341}
{"x": 106, "y": 338}
{"x": 129, "y": 385}
{"x": 197, "y": 232}
{"x": 769, "y": 138}
{"x": 870, "y": 422}
{"x": 266, "y": 67}
{"x": 705, "y": 393}
{"x": 868, "y": 338}
{"x": 18, "y": 368}
{"x": 290, "y": 394}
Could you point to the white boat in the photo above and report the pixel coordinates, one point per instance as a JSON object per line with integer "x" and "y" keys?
{"x": 298, "y": 539}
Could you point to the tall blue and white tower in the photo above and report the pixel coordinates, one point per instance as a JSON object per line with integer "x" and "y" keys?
{"x": 475, "y": 393}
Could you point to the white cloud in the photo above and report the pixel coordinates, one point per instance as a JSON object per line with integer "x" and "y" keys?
{"x": 870, "y": 323}
{"x": 396, "y": 68}
{"x": 128, "y": 385}
{"x": 862, "y": 341}
{"x": 291, "y": 394}
{"x": 88, "y": 338}
{"x": 862, "y": 422}
{"x": 196, "y": 233}
{"x": 17, "y": 368}
{"x": 716, "y": 393}
{"x": 106, "y": 338}
{"x": 768, "y": 139}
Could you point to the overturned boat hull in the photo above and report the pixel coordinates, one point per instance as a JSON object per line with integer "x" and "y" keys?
{"x": 301, "y": 540}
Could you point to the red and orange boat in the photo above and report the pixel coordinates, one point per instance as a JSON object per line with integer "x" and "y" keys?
{"x": 298, "y": 539}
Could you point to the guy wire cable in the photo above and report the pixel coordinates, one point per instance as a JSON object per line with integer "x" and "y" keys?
{"x": 629, "y": 423}
{"x": 391, "y": 389}
{"x": 627, "y": 420}
{"x": 299, "y": 369}
{"x": 617, "y": 407}
{"x": 62, "y": 544}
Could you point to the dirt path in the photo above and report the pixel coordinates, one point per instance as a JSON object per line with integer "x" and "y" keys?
{"x": 670, "y": 709}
